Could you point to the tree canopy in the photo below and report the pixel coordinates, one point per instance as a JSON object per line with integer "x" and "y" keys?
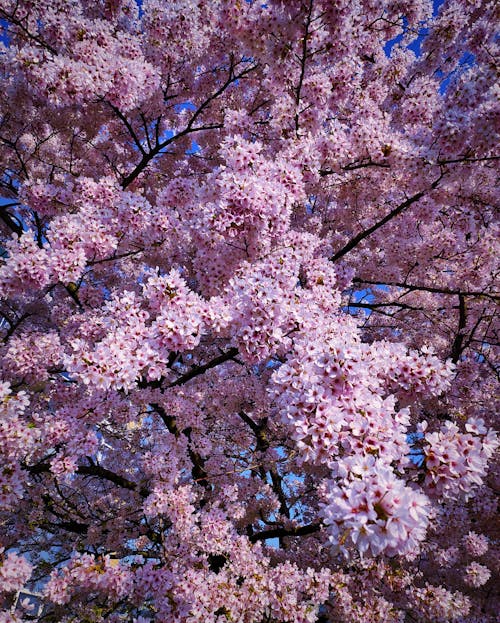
{"x": 248, "y": 286}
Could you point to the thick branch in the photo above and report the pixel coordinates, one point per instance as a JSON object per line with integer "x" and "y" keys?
{"x": 414, "y": 287}
{"x": 458, "y": 342}
{"x": 194, "y": 372}
{"x": 11, "y": 221}
{"x": 375, "y": 306}
{"x": 284, "y": 532}
{"x": 129, "y": 127}
{"x": 353, "y": 166}
{"x": 13, "y": 324}
{"x": 70, "y": 525}
{"x": 393, "y": 213}
{"x": 278, "y": 489}
{"x": 464, "y": 159}
{"x": 106, "y": 474}
{"x": 259, "y": 431}
{"x": 168, "y": 420}
{"x": 198, "y": 471}
{"x": 93, "y": 470}
{"x": 262, "y": 445}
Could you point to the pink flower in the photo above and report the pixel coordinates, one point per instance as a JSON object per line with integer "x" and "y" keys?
{"x": 14, "y": 572}
{"x": 476, "y": 574}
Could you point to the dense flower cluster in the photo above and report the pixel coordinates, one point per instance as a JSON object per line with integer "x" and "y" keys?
{"x": 248, "y": 277}
{"x": 14, "y": 572}
{"x": 17, "y": 439}
{"x": 456, "y": 462}
{"x": 93, "y": 574}
{"x": 436, "y": 604}
{"x": 370, "y": 508}
{"x": 476, "y": 544}
{"x": 476, "y": 574}
{"x": 334, "y": 394}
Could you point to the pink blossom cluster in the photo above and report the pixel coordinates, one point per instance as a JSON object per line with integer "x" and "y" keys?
{"x": 134, "y": 339}
{"x": 15, "y": 571}
{"x": 89, "y": 573}
{"x": 476, "y": 544}
{"x": 200, "y": 595}
{"x": 94, "y": 60}
{"x": 238, "y": 590}
{"x": 73, "y": 240}
{"x": 28, "y": 266}
{"x": 180, "y": 313}
{"x": 435, "y": 604}
{"x": 369, "y": 508}
{"x": 413, "y": 373}
{"x": 176, "y": 504}
{"x": 357, "y": 602}
{"x": 117, "y": 358}
{"x": 16, "y": 436}
{"x": 79, "y": 234}
{"x": 216, "y": 572}
{"x": 33, "y": 365}
{"x": 448, "y": 557}
{"x": 333, "y": 395}
{"x": 249, "y": 199}
{"x": 188, "y": 43}
{"x": 261, "y": 301}
{"x": 456, "y": 462}
{"x": 476, "y": 574}
{"x": 37, "y": 266}
{"x": 81, "y": 443}
{"x": 18, "y": 439}
{"x": 12, "y": 485}
{"x": 48, "y": 199}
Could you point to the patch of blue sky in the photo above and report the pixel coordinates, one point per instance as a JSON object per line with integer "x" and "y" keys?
{"x": 194, "y": 149}
{"x": 166, "y": 135}
{"x": 416, "y": 453}
{"x": 184, "y": 106}
{"x": 360, "y": 296}
{"x": 466, "y": 61}
{"x": 4, "y": 32}
{"x": 436, "y": 5}
{"x": 310, "y": 204}
{"x": 416, "y": 44}
{"x": 391, "y": 43}
{"x": 13, "y": 212}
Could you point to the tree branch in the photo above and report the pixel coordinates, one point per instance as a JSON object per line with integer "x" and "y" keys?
{"x": 284, "y": 532}
{"x": 11, "y": 221}
{"x": 353, "y": 166}
{"x": 93, "y": 470}
{"x": 12, "y": 19}
{"x": 259, "y": 431}
{"x": 129, "y": 127}
{"x": 414, "y": 287}
{"x": 393, "y": 213}
{"x": 303, "y": 63}
{"x": 458, "y": 343}
{"x": 189, "y": 129}
{"x": 196, "y": 371}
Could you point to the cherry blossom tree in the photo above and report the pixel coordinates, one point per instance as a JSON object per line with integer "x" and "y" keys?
{"x": 247, "y": 311}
